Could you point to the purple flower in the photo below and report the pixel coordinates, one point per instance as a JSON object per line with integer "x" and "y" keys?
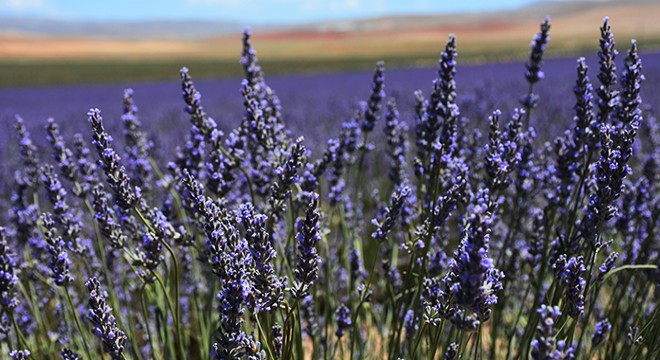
{"x": 544, "y": 344}
{"x": 571, "y": 271}
{"x": 373, "y": 106}
{"x": 607, "y": 97}
{"x": 105, "y": 216}
{"x": 65, "y": 216}
{"x": 59, "y": 263}
{"x": 268, "y": 288}
{"x": 386, "y": 226}
{"x": 20, "y": 354}
{"x": 137, "y": 144}
{"x": 7, "y": 274}
{"x": 452, "y": 352}
{"x": 62, "y": 155}
{"x": 602, "y": 328}
{"x": 502, "y": 151}
{"x": 343, "y": 318}
{"x": 100, "y": 315}
{"x": 538, "y": 45}
{"x": 67, "y": 354}
{"x": 473, "y": 279}
{"x": 608, "y": 265}
{"x": 287, "y": 176}
{"x": 443, "y": 105}
{"x": 126, "y": 194}
{"x": 397, "y": 143}
{"x": 308, "y": 236}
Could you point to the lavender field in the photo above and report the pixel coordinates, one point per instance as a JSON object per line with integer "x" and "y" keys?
{"x": 500, "y": 211}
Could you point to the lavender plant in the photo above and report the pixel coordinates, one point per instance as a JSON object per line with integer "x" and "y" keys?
{"x": 537, "y": 240}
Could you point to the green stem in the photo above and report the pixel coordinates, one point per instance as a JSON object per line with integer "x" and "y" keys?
{"x": 19, "y": 333}
{"x": 77, "y": 319}
{"x": 175, "y": 263}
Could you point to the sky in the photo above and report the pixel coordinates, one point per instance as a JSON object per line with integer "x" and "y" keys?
{"x": 243, "y": 11}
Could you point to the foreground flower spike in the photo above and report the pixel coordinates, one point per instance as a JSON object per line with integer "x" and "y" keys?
{"x": 126, "y": 195}
{"x": 473, "y": 279}
{"x": 249, "y": 60}
{"x": 61, "y": 154}
{"x": 443, "y": 99}
{"x": 29, "y": 155}
{"x": 534, "y": 73}
{"x": 59, "y": 263}
{"x": 193, "y": 99}
{"x": 64, "y": 215}
{"x": 137, "y": 144}
{"x": 602, "y": 328}
{"x": 607, "y": 96}
{"x": 67, "y": 354}
{"x": 20, "y": 354}
{"x": 452, "y": 352}
{"x": 287, "y": 176}
{"x": 374, "y": 104}
{"x": 629, "y": 113}
{"x": 571, "y": 274}
{"x": 396, "y": 131}
{"x": 309, "y": 234}
{"x": 344, "y": 321}
{"x": 105, "y": 216}
{"x": 384, "y": 228}
{"x": 100, "y": 315}
{"x": 7, "y": 274}
{"x": 585, "y": 132}
{"x": 610, "y": 172}
{"x": 543, "y": 345}
{"x": 607, "y": 266}
{"x": 268, "y": 288}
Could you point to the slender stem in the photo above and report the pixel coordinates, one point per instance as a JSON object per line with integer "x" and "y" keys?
{"x": 19, "y": 333}
{"x": 419, "y": 339}
{"x": 262, "y": 333}
{"x": 176, "y": 312}
{"x": 171, "y": 308}
{"x": 77, "y": 319}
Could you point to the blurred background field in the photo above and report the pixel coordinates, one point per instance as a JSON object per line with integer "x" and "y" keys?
{"x": 40, "y": 51}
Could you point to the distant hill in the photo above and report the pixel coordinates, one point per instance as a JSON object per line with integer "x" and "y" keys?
{"x": 200, "y": 29}
{"x": 124, "y": 30}
{"x": 57, "y": 52}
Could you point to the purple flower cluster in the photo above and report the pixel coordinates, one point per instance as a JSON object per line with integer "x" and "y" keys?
{"x": 252, "y": 243}
{"x": 105, "y": 327}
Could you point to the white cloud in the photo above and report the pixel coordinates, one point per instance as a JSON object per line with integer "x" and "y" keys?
{"x": 352, "y": 4}
{"x": 23, "y": 4}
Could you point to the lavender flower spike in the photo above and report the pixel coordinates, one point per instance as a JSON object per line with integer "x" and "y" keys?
{"x": 343, "y": 320}
{"x": 7, "y": 274}
{"x": 607, "y": 97}
{"x": 544, "y": 343}
{"x": 375, "y": 100}
{"x": 307, "y": 237}
{"x": 602, "y": 328}
{"x": 67, "y": 354}
{"x": 126, "y": 195}
{"x": 384, "y": 228}
{"x": 473, "y": 278}
{"x": 59, "y": 262}
{"x": 533, "y": 74}
{"x": 20, "y": 354}
{"x": 100, "y": 315}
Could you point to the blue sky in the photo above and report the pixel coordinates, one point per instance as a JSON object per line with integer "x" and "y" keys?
{"x": 243, "y": 11}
